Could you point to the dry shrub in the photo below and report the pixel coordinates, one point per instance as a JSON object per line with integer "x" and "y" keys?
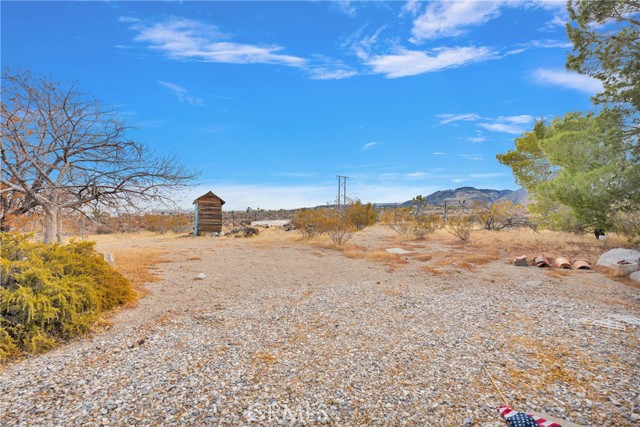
{"x": 164, "y": 223}
{"x": 460, "y": 227}
{"x": 337, "y": 226}
{"x": 425, "y": 225}
{"x": 399, "y": 220}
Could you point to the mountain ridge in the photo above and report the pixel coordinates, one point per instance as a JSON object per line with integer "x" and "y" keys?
{"x": 469, "y": 195}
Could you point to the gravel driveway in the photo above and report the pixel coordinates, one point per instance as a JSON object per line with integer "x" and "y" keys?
{"x": 281, "y": 333}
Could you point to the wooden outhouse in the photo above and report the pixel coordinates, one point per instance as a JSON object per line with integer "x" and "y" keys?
{"x": 208, "y": 214}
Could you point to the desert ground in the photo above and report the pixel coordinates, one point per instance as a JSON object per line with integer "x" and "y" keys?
{"x": 285, "y": 331}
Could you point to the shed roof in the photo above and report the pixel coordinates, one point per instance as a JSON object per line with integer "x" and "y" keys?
{"x": 209, "y": 195}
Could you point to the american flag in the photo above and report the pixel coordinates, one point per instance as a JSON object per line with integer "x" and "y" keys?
{"x": 520, "y": 419}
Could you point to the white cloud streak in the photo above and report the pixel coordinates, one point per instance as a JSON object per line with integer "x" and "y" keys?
{"x": 182, "y": 94}
{"x": 345, "y": 7}
{"x": 514, "y": 125}
{"x": 504, "y": 124}
{"x": 405, "y": 62}
{"x": 450, "y": 118}
{"x": 567, "y": 80}
{"x": 445, "y": 18}
{"x": 449, "y": 18}
{"x": 370, "y": 145}
{"x": 191, "y": 40}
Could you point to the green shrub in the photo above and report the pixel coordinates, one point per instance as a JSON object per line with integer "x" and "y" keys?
{"x": 310, "y": 222}
{"x": 51, "y": 293}
{"x": 359, "y": 215}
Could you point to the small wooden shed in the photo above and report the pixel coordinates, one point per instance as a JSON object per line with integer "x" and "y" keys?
{"x": 208, "y": 214}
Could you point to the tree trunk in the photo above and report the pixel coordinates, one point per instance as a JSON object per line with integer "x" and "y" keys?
{"x": 51, "y": 232}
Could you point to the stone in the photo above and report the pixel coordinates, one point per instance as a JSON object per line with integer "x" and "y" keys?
{"x": 613, "y": 256}
{"x": 520, "y": 261}
{"x": 200, "y": 276}
{"x": 635, "y": 276}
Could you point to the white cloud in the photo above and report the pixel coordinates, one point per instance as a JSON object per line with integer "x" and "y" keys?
{"x": 182, "y": 94}
{"x": 370, "y": 145}
{"x": 557, "y": 22}
{"x": 504, "y": 124}
{"x": 437, "y": 153}
{"x": 345, "y": 7}
{"x": 411, "y": 62}
{"x": 128, "y": 19}
{"x": 449, "y": 118}
{"x": 411, "y": 7}
{"x": 416, "y": 175}
{"x": 329, "y": 69}
{"x": 187, "y": 39}
{"x": 471, "y": 156}
{"x": 567, "y": 80}
{"x": 459, "y": 180}
{"x": 514, "y": 125}
{"x": 476, "y": 139}
{"x": 549, "y": 44}
{"x": 360, "y": 44}
{"x": 448, "y": 18}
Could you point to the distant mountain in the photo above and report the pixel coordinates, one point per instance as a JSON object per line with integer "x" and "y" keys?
{"x": 462, "y": 194}
{"x": 520, "y": 196}
{"x": 471, "y": 194}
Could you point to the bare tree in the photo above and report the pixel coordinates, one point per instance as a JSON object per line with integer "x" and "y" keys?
{"x": 62, "y": 151}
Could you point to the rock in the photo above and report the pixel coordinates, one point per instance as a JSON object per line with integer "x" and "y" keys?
{"x": 635, "y": 276}
{"x": 108, "y": 256}
{"x": 612, "y": 257}
{"x": 520, "y": 261}
{"x": 200, "y": 276}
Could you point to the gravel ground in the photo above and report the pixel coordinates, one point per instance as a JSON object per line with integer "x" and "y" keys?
{"x": 281, "y": 333}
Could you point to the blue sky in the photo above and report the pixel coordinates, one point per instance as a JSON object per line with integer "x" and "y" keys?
{"x": 272, "y": 100}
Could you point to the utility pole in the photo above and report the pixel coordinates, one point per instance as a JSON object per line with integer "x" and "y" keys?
{"x": 342, "y": 186}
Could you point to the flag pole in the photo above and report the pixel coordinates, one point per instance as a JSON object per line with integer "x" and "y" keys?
{"x": 504, "y": 399}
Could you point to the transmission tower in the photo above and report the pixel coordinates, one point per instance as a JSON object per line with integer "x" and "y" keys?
{"x": 342, "y": 190}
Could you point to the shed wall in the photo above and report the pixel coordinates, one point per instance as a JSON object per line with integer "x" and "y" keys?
{"x": 209, "y": 215}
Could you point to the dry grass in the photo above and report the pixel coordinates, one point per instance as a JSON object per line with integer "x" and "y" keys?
{"x": 431, "y": 270}
{"x": 378, "y": 255}
{"x": 424, "y": 257}
{"x": 554, "y": 366}
{"x": 138, "y": 266}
